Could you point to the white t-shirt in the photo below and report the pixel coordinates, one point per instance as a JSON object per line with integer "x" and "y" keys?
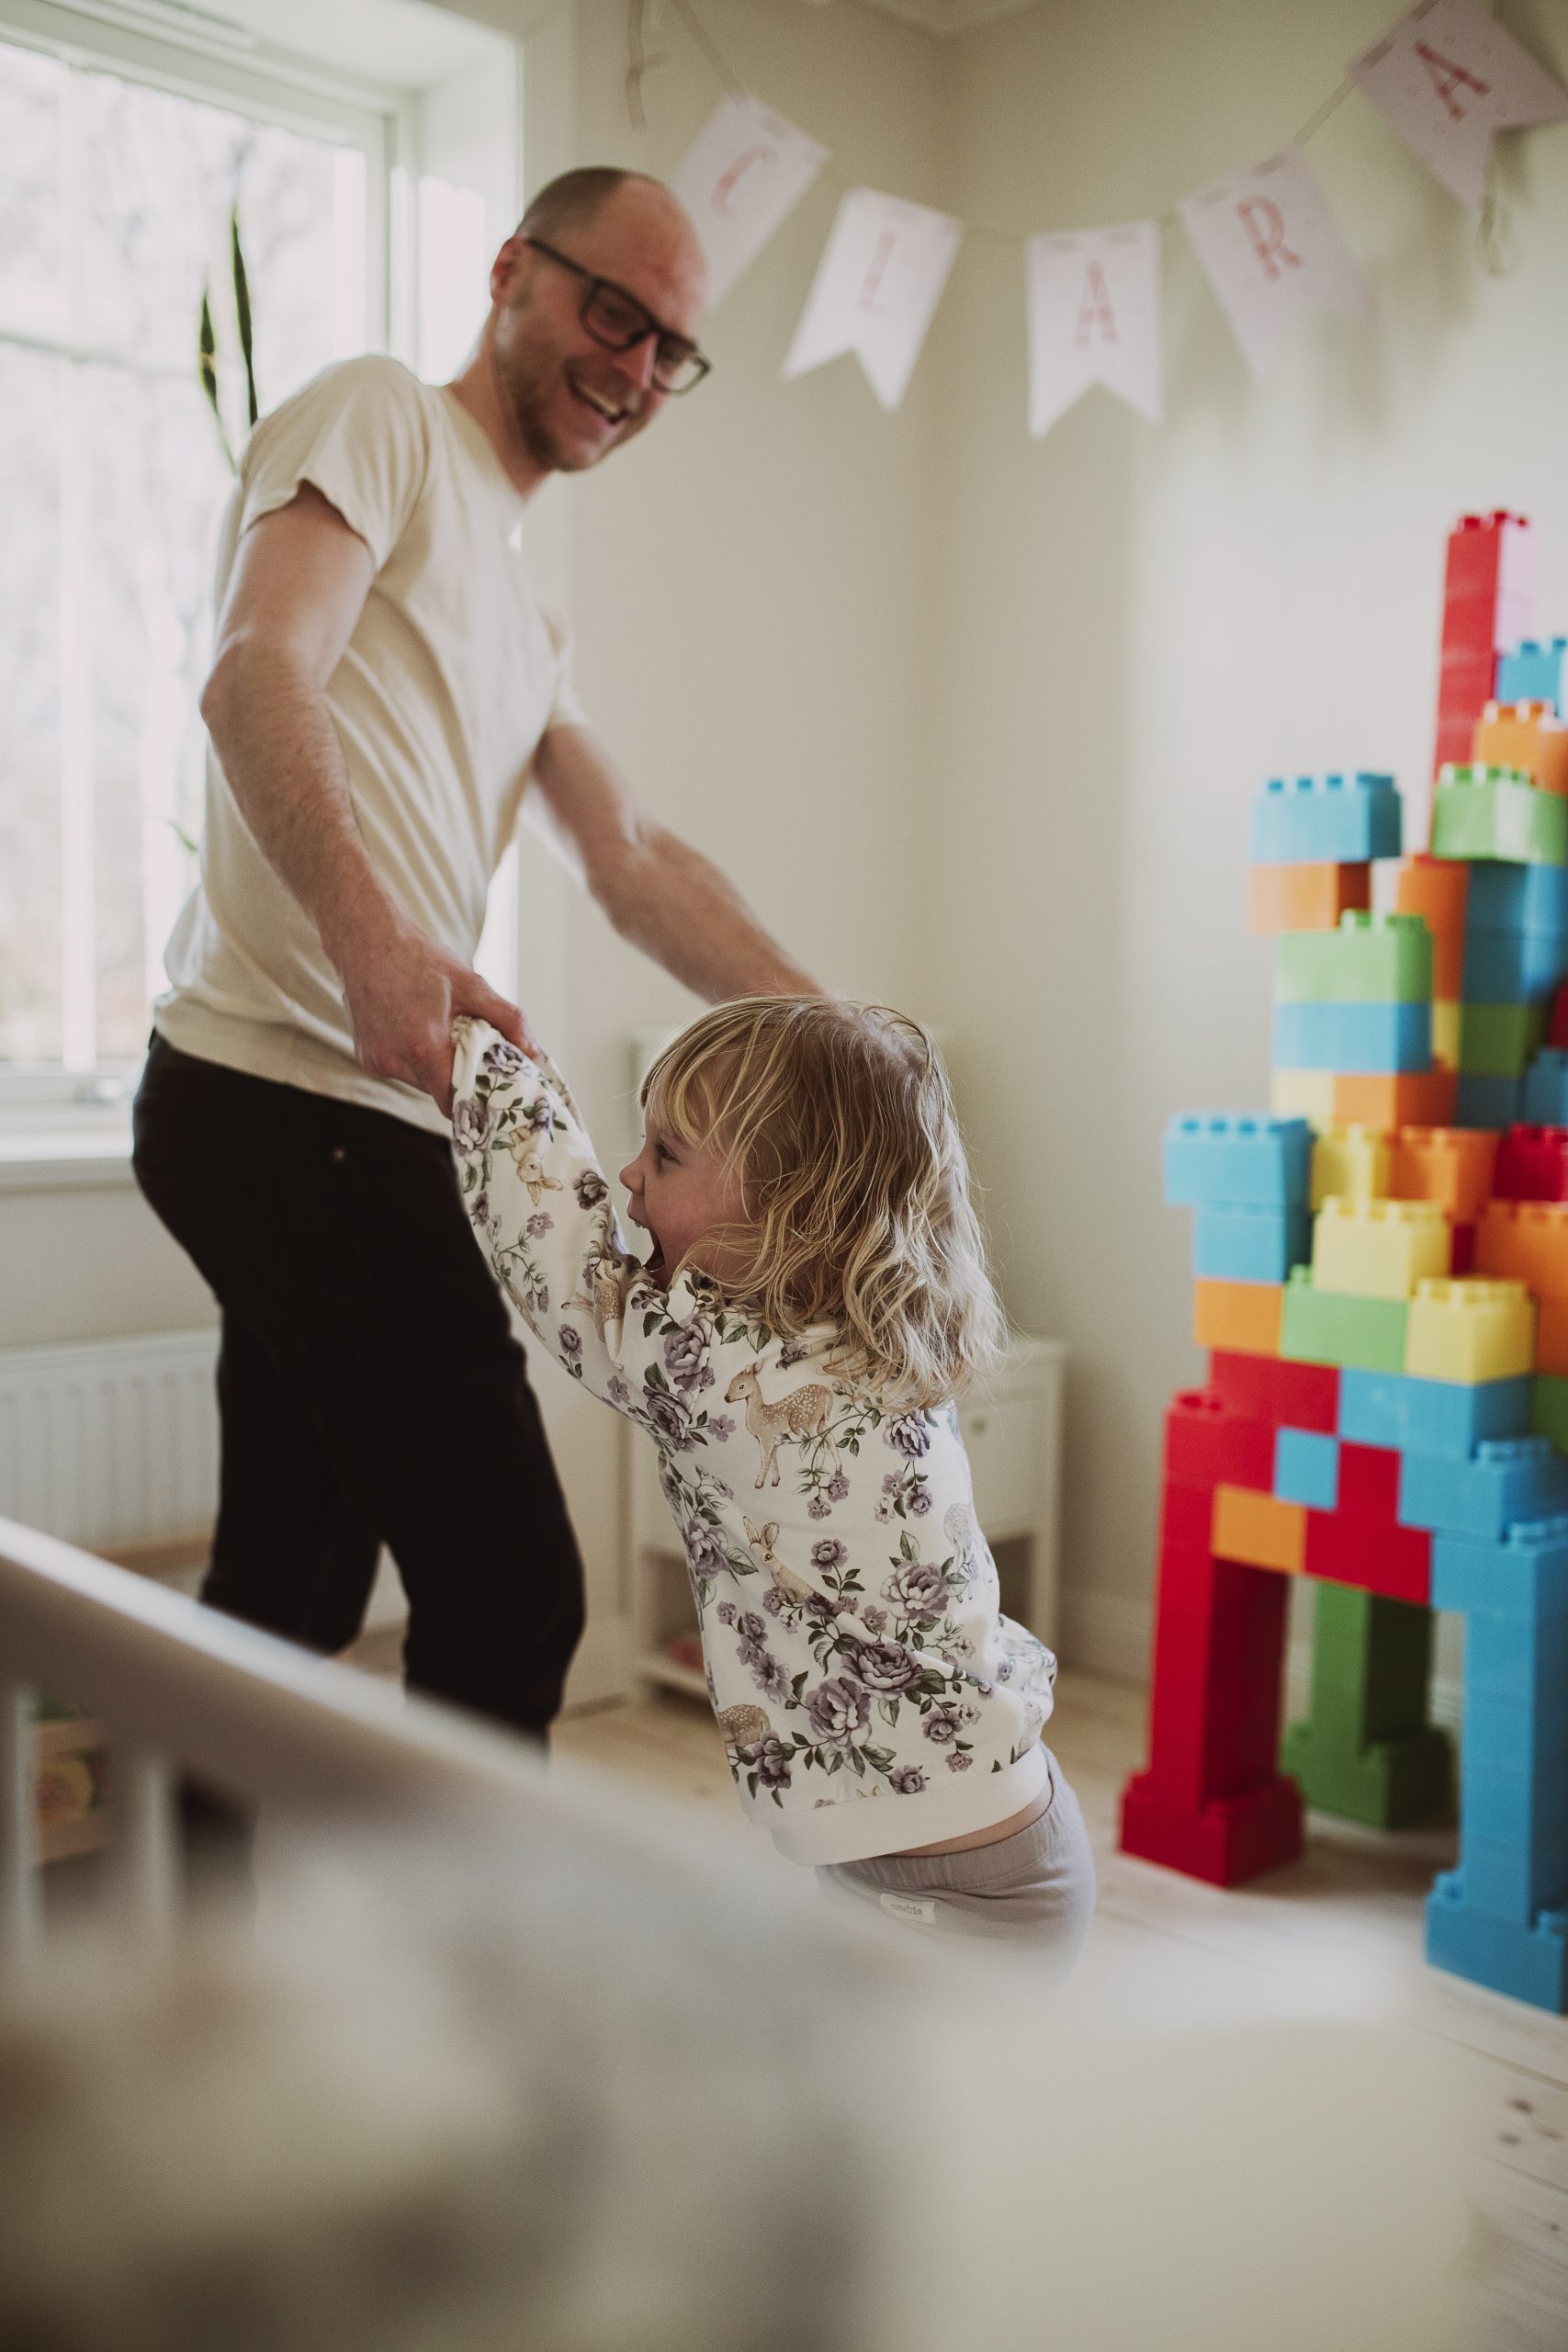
{"x": 456, "y": 668}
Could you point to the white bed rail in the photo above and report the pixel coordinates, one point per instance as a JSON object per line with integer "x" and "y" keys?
{"x": 173, "y": 1686}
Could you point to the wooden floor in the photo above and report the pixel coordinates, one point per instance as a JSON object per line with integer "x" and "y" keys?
{"x": 1338, "y": 1934}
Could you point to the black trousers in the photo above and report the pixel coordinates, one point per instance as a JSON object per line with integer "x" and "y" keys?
{"x": 370, "y": 1389}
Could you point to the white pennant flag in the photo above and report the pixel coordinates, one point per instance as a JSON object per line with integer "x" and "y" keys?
{"x": 747, "y": 169}
{"x": 876, "y": 290}
{"x": 1446, "y": 77}
{"x": 1269, "y": 241}
{"x": 1093, "y": 307}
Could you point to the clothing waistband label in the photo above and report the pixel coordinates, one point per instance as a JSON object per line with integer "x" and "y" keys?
{"x": 908, "y": 1907}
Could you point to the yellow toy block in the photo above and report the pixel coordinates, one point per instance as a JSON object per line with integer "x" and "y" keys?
{"x": 1304, "y": 1094}
{"x": 1524, "y": 735}
{"x": 1469, "y": 1330}
{"x": 1241, "y": 1318}
{"x": 1379, "y": 1249}
{"x": 1445, "y": 1032}
{"x": 1258, "y": 1531}
{"x": 1351, "y": 1164}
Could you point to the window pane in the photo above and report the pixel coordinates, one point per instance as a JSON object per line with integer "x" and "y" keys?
{"x": 32, "y": 249}
{"x": 157, "y": 482}
{"x": 30, "y": 907}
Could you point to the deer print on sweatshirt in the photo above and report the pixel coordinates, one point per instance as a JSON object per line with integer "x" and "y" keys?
{"x": 852, "y": 1641}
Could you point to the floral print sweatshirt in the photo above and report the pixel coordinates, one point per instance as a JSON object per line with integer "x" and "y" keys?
{"x": 870, "y": 1693}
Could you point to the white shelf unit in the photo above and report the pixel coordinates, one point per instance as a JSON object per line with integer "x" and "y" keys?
{"x": 1013, "y": 1434}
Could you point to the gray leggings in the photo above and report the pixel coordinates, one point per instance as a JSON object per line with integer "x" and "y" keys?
{"x": 1033, "y": 1889}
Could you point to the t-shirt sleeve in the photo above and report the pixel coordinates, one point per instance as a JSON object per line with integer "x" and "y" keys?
{"x": 358, "y": 435}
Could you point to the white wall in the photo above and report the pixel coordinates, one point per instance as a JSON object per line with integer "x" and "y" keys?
{"x": 1142, "y": 622}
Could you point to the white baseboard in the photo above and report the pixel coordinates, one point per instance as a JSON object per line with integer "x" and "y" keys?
{"x": 1104, "y": 1632}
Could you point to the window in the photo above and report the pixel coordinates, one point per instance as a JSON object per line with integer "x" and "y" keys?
{"x": 125, "y": 169}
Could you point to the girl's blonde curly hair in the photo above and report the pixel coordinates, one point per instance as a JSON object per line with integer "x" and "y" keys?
{"x": 838, "y": 1119}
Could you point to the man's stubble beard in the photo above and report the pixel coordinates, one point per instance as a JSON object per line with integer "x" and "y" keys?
{"x": 527, "y": 389}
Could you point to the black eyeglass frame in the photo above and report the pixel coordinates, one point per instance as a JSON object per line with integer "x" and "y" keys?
{"x": 592, "y": 286}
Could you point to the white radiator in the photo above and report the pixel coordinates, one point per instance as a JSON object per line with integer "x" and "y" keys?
{"x": 111, "y": 1441}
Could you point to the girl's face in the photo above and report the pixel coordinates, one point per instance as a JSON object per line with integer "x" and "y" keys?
{"x": 683, "y": 1194}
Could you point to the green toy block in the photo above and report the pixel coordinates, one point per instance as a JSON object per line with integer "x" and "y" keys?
{"x": 1366, "y": 1749}
{"x": 1385, "y": 1786}
{"x": 1333, "y": 1326}
{"x": 1499, "y": 1040}
{"x": 1549, "y": 1410}
{"x": 1370, "y": 959}
{"x": 1498, "y": 812}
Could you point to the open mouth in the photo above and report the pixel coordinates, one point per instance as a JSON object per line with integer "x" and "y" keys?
{"x": 609, "y": 410}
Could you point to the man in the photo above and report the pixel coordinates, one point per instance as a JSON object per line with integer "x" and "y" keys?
{"x": 386, "y": 686}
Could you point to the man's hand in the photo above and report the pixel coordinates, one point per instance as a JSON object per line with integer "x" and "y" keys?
{"x": 404, "y": 994}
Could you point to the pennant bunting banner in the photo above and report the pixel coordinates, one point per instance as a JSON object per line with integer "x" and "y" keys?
{"x": 745, "y": 171}
{"x": 1446, "y": 77}
{"x": 876, "y": 290}
{"x": 1268, "y": 243}
{"x": 1093, "y": 309}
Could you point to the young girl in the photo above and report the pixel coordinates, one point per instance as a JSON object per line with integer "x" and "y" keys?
{"x": 815, "y": 1299}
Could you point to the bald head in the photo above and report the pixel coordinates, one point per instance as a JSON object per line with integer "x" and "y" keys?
{"x": 577, "y": 201}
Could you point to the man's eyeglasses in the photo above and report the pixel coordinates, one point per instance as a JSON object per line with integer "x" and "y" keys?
{"x": 620, "y": 321}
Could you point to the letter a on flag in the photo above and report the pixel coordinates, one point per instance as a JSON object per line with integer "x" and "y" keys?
{"x": 1093, "y": 305}
{"x": 747, "y": 169}
{"x": 1446, "y": 77}
{"x": 1269, "y": 241}
{"x": 876, "y": 290}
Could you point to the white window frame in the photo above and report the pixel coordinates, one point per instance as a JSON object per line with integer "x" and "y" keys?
{"x": 299, "y": 95}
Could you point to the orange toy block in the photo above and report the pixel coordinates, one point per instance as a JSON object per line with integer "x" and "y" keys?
{"x": 1525, "y": 1241}
{"x": 1306, "y": 898}
{"x": 1258, "y": 1531}
{"x": 1452, "y": 1166}
{"x": 1526, "y": 735}
{"x": 1243, "y": 1318}
{"x": 1435, "y": 889}
{"x": 1406, "y": 1098}
{"x": 1551, "y": 1336}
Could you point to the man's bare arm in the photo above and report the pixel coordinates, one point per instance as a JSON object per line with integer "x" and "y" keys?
{"x": 658, "y": 892}
{"x": 298, "y": 585}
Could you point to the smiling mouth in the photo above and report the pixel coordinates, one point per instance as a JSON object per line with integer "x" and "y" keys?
{"x": 600, "y": 402}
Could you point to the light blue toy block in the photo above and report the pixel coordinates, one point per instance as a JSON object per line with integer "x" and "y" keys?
{"x": 1504, "y": 1480}
{"x": 1514, "y": 966}
{"x": 1236, "y": 1160}
{"x": 1545, "y": 1091}
{"x": 1325, "y": 820}
{"x": 1377, "y": 1037}
{"x": 1522, "y": 1577}
{"x": 1521, "y": 1744}
{"x": 1446, "y": 1417}
{"x": 1512, "y": 1882}
{"x": 1492, "y": 1103}
{"x": 1529, "y": 1964}
{"x": 1306, "y": 1468}
{"x": 1250, "y": 1245}
{"x": 1532, "y": 671}
{"x": 1499, "y": 897}
{"x": 1525, "y": 1664}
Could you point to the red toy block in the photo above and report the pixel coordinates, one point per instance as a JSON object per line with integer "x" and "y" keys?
{"x": 1533, "y": 1165}
{"x": 1186, "y": 1513}
{"x": 1392, "y": 1560}
{"x": 1369, "y": 1482}
{"x": 1463, "y": 1251}
{"x": 1225, "y": 1842}
{"x": 1558, "y": 1034}
{"x": 1205, "y": 1441}
{"x": 1488, "y": 604}
{"x": 1272, "y": 1388}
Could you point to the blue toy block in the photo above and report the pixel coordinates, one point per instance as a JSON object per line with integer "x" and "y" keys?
{"x": 1523, "y": 1662}
{"x": 1524, "y": 1804}
{"x": 1511, "y": 1882}
{"x": 1529, "y": 1962}
{"x": 1492, "y": 1103}
{"x": 1504, "y": 1479}
{"x": 1306, "y": 1468}
{"x": 1325, "y": 820}
{"x": 1513, "y": 967}
{"x": 1522, "y": 1577}
{"x": 1532, "y": 671}
{"x": 1353, "y": 1036}
{"x": 1236, "y": 1160}
{"x": 1500, "y": 896}
{"x": 1446, "y": 1417}
{"x": 1520, "y": 1744}
{"x": 1251, "y": 1245}
{"x": 1545, "y": 1091}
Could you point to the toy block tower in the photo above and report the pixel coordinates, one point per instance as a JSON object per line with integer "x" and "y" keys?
{"x": 1382, "y": 1284}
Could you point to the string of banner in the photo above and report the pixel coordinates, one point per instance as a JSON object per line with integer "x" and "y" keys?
{"x": 1446, "y": 77}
